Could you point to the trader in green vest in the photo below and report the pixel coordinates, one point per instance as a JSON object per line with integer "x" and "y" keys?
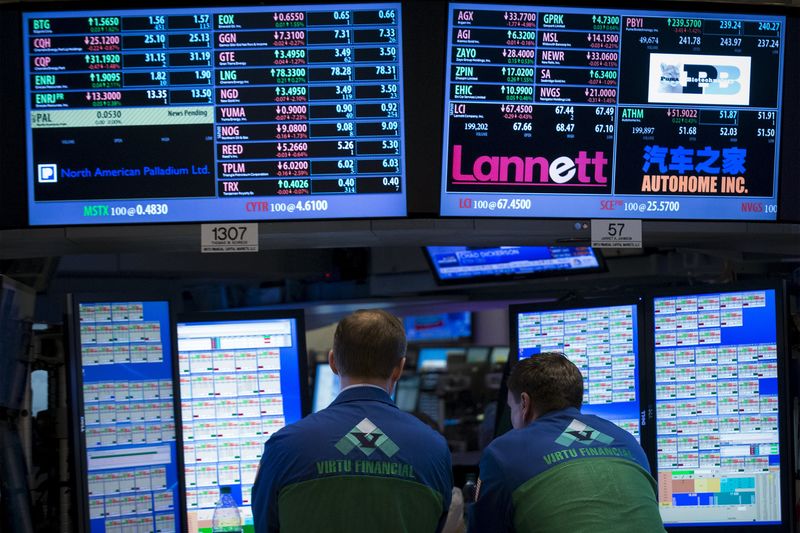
{"x": 361, "y": 465}
{"x": 558, "y": 469}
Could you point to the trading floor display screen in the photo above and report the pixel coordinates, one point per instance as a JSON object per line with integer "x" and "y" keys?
{"x": 443, "y": 326}
{"x": 198, "y": 114}
{"x": 716, "y": 386}
{"x": 240, "y": 382}
{"x": 587, "y": 112}
{"x": 128, "y": 425}
{"x": 463, "y": 264}
{"x": 603, "y": 342}
{"x": 435, "y": 359}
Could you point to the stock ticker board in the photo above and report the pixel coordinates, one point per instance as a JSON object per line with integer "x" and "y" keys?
{"x": 183, "y": 115}
{"x": 561, "y": 112}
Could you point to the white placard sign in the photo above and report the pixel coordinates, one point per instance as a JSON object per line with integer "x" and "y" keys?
{"x": 617, "y": 233}
{"x": 228, "y": 238}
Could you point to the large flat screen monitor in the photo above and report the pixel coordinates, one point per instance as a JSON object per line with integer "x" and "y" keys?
{"x": 243, "y": 377}
{"x": 214, "y": 113}
{"x": 721, "y": 429}
{"x": 126, "y": 456}
{"x": 439, "y": 327}
{"x": 462, "y": 264}
{"x": 602, "y": 339}
{"x": 555, "y": 111}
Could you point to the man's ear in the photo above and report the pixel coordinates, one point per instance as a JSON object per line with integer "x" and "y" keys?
{"x": 526, "y": 406}
{"x": 398, "y": 370}
{"x": 332, "y": 363}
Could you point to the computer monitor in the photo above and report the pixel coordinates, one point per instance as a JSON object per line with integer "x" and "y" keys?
{"x": 433, "y": 359}
{"x": 407, "y": 393}
{"x": 195, "y": 113}
{"x": 123, "y": 415}
{"x": 478, "y": 355}
{"x": 499, "y": 355}
{"x": 429, "y": 403}
{"x": 326, "y": 387}
{"x": 585, "y": 120}
{"x": 439, "y": 327}
{"x": 464, "y": 264}
{"x": 601, "y": 338}
{"x": 243, "y": 377}
{"x": 722, "y": 455}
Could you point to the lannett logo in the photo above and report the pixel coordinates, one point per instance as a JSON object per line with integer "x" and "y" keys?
{"x": 515, "y": 170}
{"x": 699, "y": 79}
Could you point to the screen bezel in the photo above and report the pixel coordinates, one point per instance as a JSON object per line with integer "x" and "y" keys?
{"x": 784, "y": 412}
{"x": 601, "y": 267}
{"x": 503, "y": 422}
{"x": 787, "y": 210}
{"x": 19, "y": 97}
{"x": 13, "y": 192}
{"x": 75, "y": 403}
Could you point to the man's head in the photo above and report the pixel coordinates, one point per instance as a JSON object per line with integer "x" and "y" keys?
{"x": 543, "y": 383}
{"x": 369, "y": 346}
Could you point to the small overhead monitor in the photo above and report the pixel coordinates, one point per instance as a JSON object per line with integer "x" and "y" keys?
{"x": 435, "y": 359}
{"x": 499, "y": 355}
{"x": 721, "y": 415}
{"x": 243, "y": 377}
{"x": 121, "y": 397}
{"x": 478, "y": 355}
{"x": 463, "y": 264}
{"x": 439, "y": 327}
{"x": 602, "y": 339}
{"x": 326, "y": 387}
{"x": 407, "y": 393}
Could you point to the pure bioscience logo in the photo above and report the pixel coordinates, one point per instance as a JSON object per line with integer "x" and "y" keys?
{"x": 699, "y": 79}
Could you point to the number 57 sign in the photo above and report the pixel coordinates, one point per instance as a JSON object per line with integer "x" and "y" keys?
{"x": 228, "y": 238}
{"x": 617, "y": 233}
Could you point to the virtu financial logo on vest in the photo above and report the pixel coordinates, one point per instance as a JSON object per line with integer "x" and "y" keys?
{"x": 576, "y": 172}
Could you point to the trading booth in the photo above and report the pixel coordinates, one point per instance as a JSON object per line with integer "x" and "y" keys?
{"x": 194, "y": 194}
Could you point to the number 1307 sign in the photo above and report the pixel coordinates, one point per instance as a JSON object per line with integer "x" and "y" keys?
{"x": 228, "y": 238}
